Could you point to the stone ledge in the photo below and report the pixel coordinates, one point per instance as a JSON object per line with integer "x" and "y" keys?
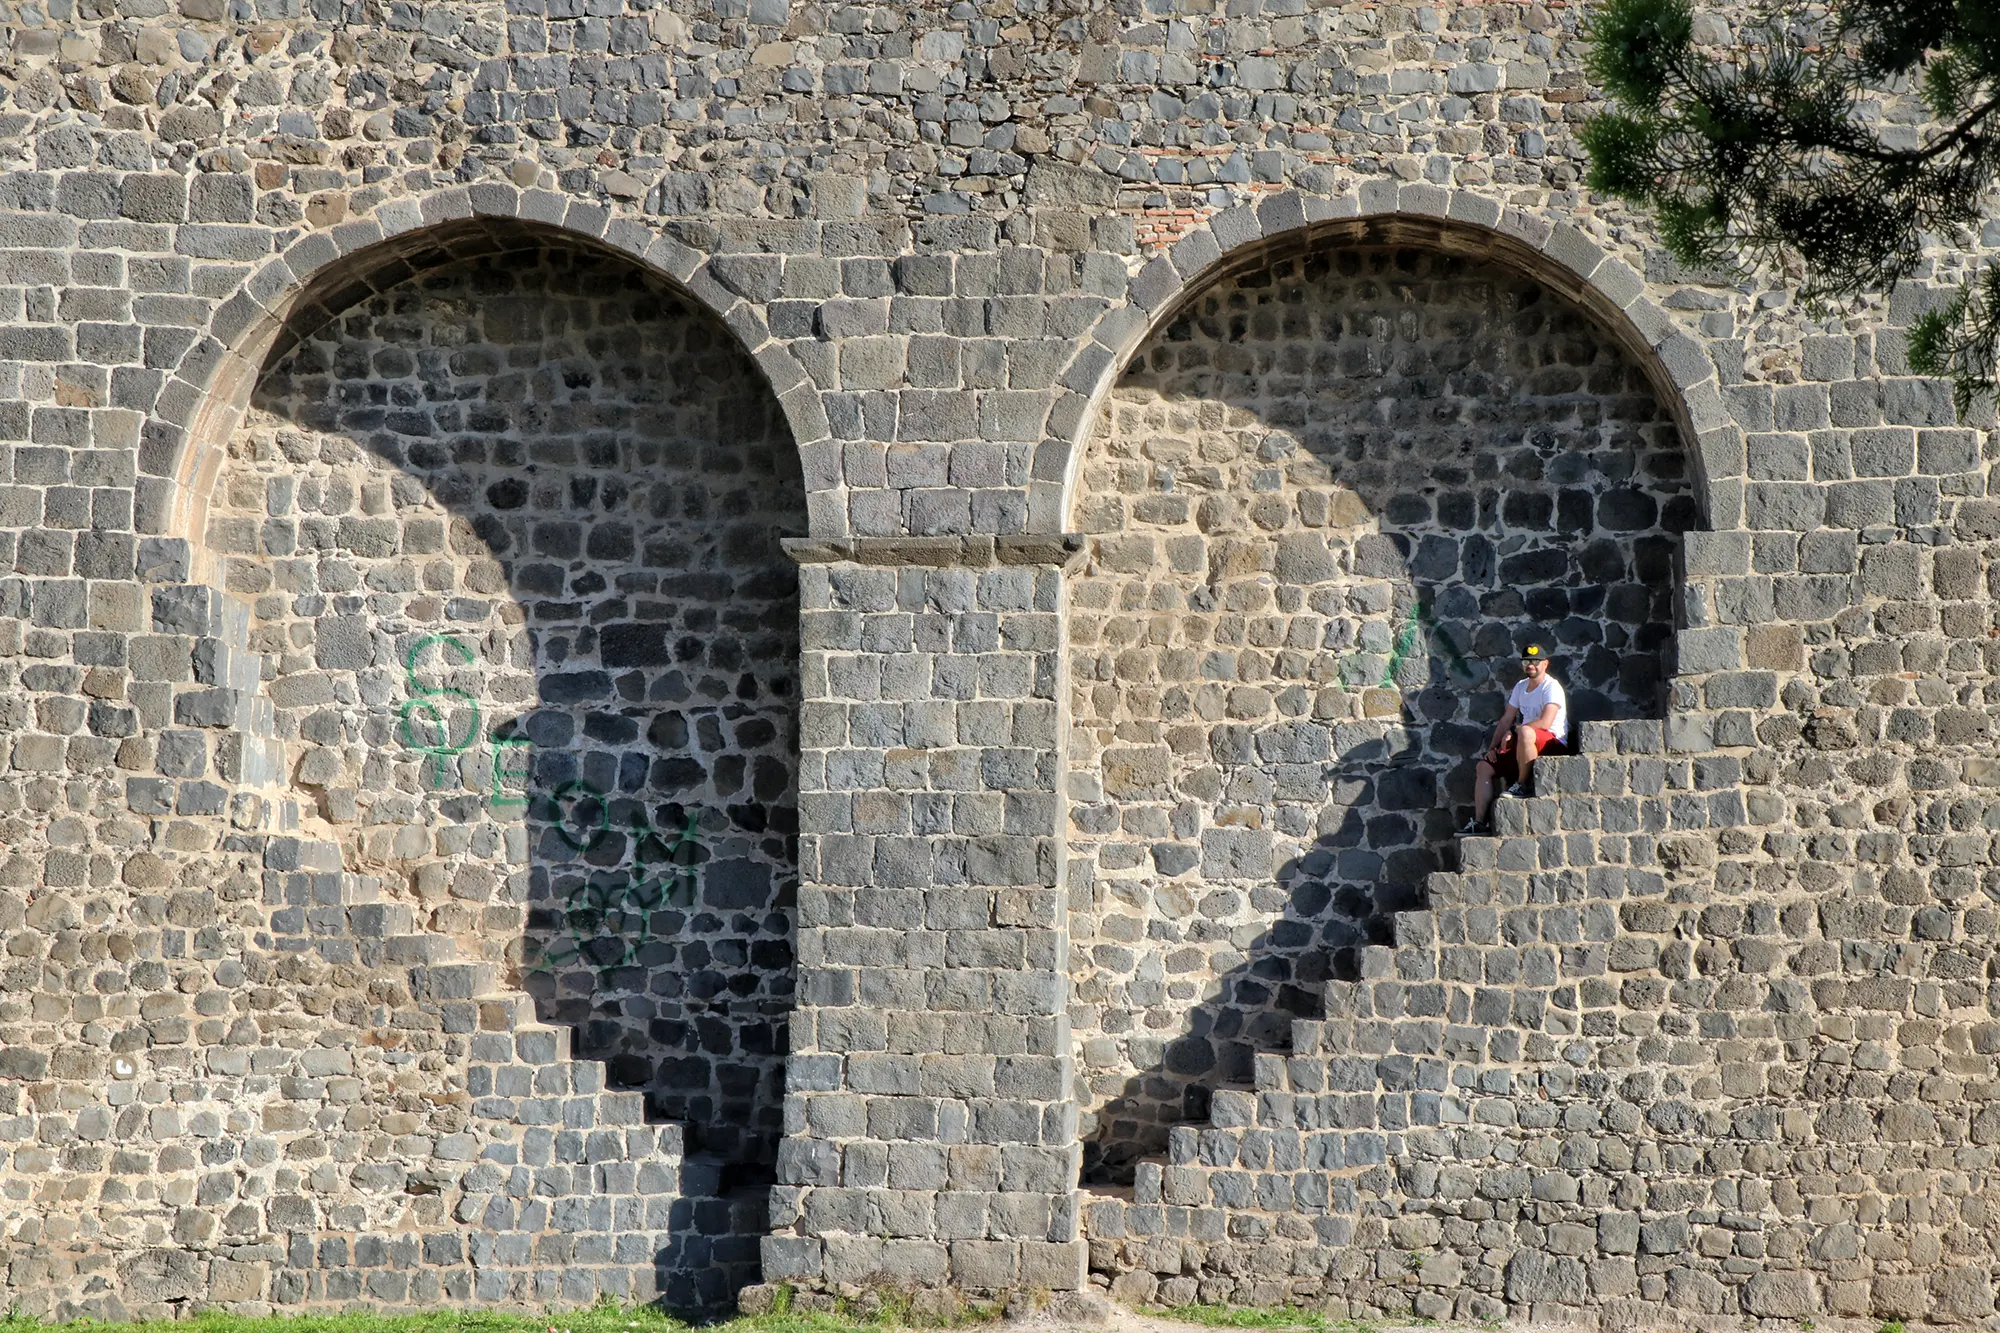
{"x": 1065, "y": 550}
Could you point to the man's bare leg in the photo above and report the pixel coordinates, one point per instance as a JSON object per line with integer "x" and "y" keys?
{"x": 1524, "y": 755}
{"x": 1482, "y": 791}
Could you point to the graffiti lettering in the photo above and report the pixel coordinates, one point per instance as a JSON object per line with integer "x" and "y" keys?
{"x": 424, "y": 703}
{"x": 1417, "y": 628}
{"x": 608, "y": 919}
{"x": 609, "y": 916}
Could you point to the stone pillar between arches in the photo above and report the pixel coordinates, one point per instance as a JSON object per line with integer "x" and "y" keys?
{"x": 930, "y": 1123}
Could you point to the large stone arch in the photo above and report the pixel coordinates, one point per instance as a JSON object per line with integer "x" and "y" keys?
{"x": 210, "y": 382}
{"x": 1340, "y": 478}
{"x": 1551, "y": 251}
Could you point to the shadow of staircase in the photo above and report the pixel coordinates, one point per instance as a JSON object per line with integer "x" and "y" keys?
{"x": 554, "y": 1190}
{"x": 516, "y": 1176}
{"x": 1299, "y": 1184}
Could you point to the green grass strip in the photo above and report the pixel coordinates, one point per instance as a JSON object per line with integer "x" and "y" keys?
{"x": 602, "y": 1318}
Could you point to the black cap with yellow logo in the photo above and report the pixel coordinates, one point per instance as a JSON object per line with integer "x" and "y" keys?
{"x": 1534, "y": 652}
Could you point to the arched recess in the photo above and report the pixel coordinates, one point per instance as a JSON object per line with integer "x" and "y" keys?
{"x": 507, "y": 507}
{"x": 1336, "y": 485}
{"x": 325, "y": 271}
{"x": 1553, "y": 253}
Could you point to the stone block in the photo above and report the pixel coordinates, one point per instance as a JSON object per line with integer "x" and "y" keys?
{"x": 1782, "y": 1295}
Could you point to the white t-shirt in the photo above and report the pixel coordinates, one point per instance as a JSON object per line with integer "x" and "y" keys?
{"x": 1532, "y": 702}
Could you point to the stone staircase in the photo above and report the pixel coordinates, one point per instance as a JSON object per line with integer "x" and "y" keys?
{"x": 1292, "y": 1189}
{"x": 551, "y": 1189}
{"x": 528, "y": 1182}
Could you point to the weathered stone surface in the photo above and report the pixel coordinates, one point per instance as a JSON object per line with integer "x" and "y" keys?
{"x": 571, "y": 471}
{"x": 1727, "y": 979}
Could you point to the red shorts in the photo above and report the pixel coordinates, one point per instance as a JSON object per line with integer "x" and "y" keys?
{"x": 1545, "y": 743}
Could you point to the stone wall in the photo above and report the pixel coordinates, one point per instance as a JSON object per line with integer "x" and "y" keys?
{"x": 498, "y": 581}
{"x": 1328, "y": 503}
{"x": 1710, "y": 1026}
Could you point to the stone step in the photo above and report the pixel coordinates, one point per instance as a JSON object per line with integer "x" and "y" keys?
{"x": 503, "y": 1079}
{"x": 1532, "y": 816}
{"x": 1634, "y": 736}
{"x": 702, "y": 1176}
{"x": 556, "y": 1096}
{"x": 1321, "y": 1180}
{"x": 1562, "y": 774}
{"x": 615, "y": 1219}
{"x": 421, "y": 948}
{"x": 1250, "y": 1158}
{"x": 1308, "y": 1036}
{"x": 1232, "y": 1108}
{"x": 548, "y": 1150}
{"x": 1416, "y": 930}
{"x": 454, "y": 981}
{"x": 1268, "y": 1073}
{"x": 714, "y": 1180}
{"x": 526, "y": 1046}
{"x": 508, "y": 1011}
{"x": 1512, "y": 852}
{"x": 1444, "y": 888}
{"x": 1377, "y": 961}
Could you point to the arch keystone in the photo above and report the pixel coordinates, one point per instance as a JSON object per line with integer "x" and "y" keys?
{"x": 544, "y": 206}
{"x": 447, "y": 206}
{"x": 494, "y": 199}
{"x": 1423, "y": 200}
{"x": 1465, "y": 206}
{"x": 586, "y": 219}
{"x": 1282, "y": 212}
{"x": 397, "y": 216}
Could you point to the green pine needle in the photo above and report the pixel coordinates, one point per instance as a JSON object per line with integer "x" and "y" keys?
{"x": 1636, "y": 46}
{"x": 1624, "y": 150}
{"x": 1760, "y": 156}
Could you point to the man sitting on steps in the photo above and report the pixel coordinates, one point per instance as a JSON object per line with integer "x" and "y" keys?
{"x": 1536, "y": 723}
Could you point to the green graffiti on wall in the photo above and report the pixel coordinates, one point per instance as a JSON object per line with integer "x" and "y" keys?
{"x": 1418, "y": 628}
{"x": 623, "y": 909}
{"x": 608, "y": 917}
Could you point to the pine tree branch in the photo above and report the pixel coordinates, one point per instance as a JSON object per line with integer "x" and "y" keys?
{"x": 1766, "y": 158}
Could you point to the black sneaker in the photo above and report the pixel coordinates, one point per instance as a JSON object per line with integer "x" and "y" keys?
{"x": 1475, "y": 828}
{"x": 1519, "y": 789}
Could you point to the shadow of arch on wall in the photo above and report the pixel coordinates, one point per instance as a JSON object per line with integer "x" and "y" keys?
{"x": 1393, "y": 780}
{"x": 1429, "y": 217}
{"x": 649, "y": 766}
{"x": 209, "y": 388}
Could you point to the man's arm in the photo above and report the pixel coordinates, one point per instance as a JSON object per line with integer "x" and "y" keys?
{"x": 1547, "y": 721}
{"x": 1503, "y": 728}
